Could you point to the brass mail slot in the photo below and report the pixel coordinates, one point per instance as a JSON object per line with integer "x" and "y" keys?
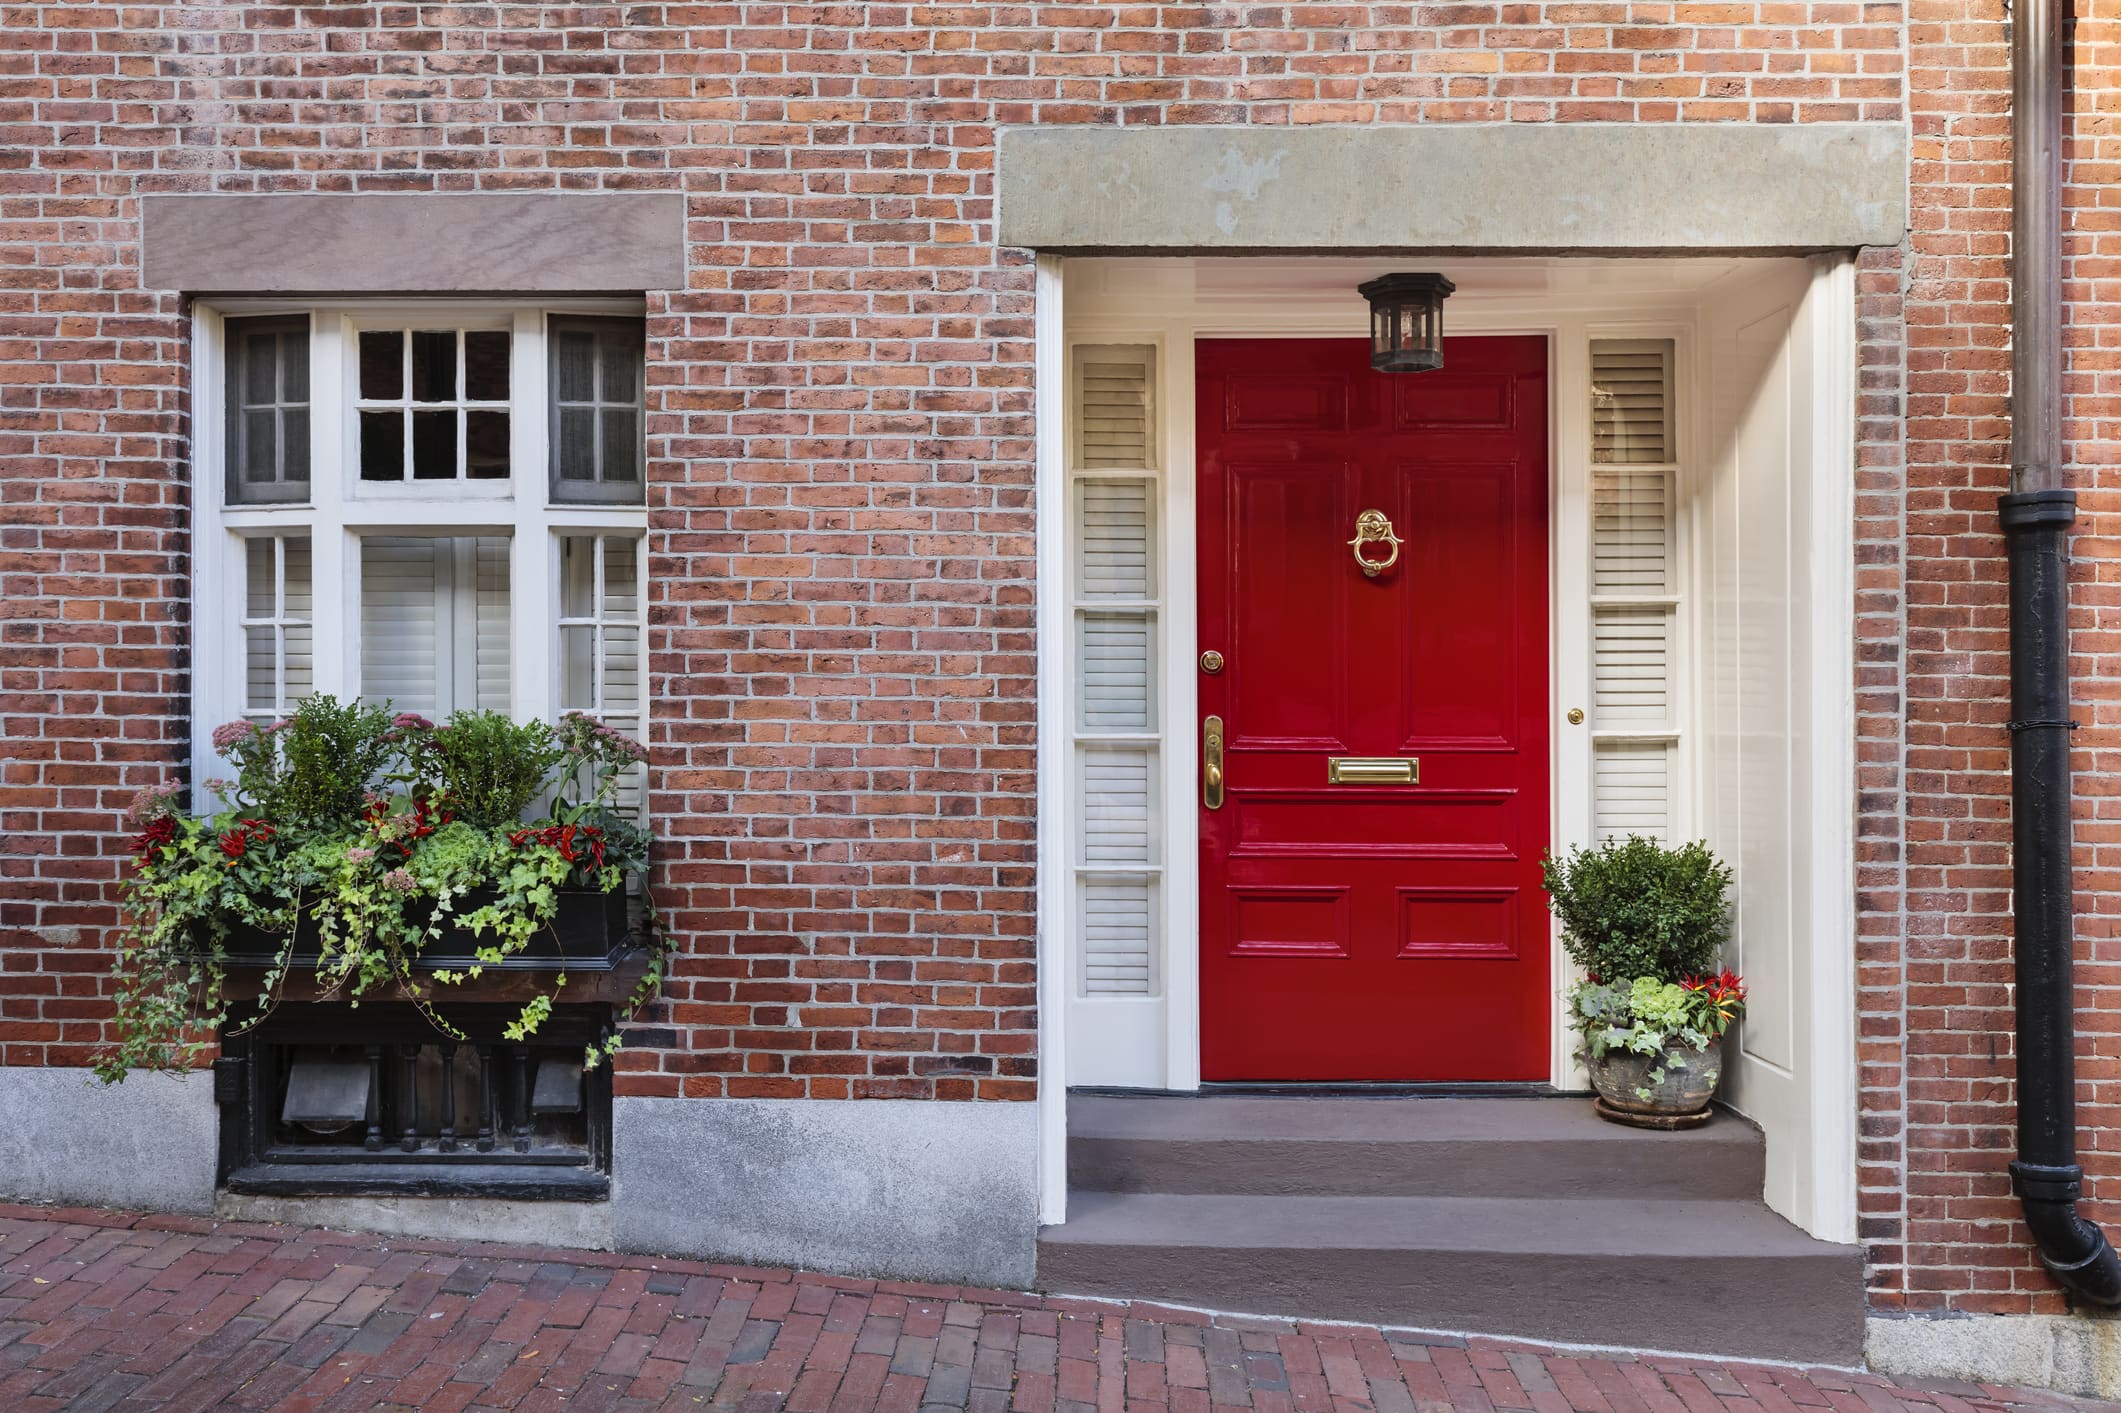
{"x": 1373, "y": 770}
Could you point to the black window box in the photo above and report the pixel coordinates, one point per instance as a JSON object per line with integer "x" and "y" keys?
{"x": 590, "y": 932}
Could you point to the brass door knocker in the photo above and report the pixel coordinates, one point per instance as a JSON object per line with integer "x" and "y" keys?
{"x": 1373, "y": 527}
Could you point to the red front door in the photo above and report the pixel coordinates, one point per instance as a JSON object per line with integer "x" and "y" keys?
{"x": 1374, "y": 930}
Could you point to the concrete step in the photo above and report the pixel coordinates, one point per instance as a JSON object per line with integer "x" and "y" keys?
{"x": 1399, "y": 1147}
{"x": 1723, "y": 1277}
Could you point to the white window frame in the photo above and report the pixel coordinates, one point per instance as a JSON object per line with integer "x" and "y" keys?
{"x": 341, "y": 508}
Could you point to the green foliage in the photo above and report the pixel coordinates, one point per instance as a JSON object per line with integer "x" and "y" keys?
{"x": 491, "y": 768}
{"x": 331, "y": 752}
{"x": 1635, "y": 907}
{"x": 1646, "y": 1016}
{"x": 380, "y": 835}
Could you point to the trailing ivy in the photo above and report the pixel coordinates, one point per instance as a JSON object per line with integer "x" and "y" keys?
{"x": 345, "y": 823}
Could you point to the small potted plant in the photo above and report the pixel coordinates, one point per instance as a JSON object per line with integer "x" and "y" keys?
{"x": 378, "y": 851}
{"x": 1646, "y": 923}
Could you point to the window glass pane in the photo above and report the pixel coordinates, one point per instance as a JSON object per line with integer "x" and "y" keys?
{"x": 294, "y": 366}
{"x": 486, "y": 365}
{"x": 485, "y": 444}
{"x": 622, "y": 444}
{"x": 294, "y": 444}
{"x": 261, "y": 427}
{"x": 578, "y": 576}
{"x": 382, "y": 446}
{"x": 434, "y": 365}
{"x": 261, "y": 669}
{"x": 576, "y": 449}
{"x": 260, "y": 371}
{"x": 577, "y": 673}
{"x": 574, "y": 361}
{"x": 295, "y": 577}
{"x": 434, "y": 445}
{"x": 383, "y": 364}
{"x": 403, "y": 610}
{"x": 621, "y": 371}
{"x": 620, "y": 583}
{"x": 260, "y": 594}
{"x": 622, "y": 669}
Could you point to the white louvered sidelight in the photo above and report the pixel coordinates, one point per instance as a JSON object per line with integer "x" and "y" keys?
{"x": 1634, "y": 603}
{"x": 1116, "y": 598}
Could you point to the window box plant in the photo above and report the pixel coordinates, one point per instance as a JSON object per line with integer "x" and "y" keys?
{"x": 1646, "y": 922}
{"x": 383, "y": 856}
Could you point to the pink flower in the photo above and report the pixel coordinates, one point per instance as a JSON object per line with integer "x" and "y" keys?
{"x": 411, "y": 721}
{"x": 151, "y": 803}
{"x": 360, "y": 856}
{"x": 232, "y": 733}
{"x": 400, "y": 880}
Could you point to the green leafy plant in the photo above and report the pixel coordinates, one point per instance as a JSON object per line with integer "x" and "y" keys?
{"x": 1661, "y": 1019}
{"x": 375, "y": 835}
{"x": 491, "y": 768}
{"x": 1637, "y": 907}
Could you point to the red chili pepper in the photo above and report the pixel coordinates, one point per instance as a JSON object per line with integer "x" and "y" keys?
{"x": 232, "y": 844}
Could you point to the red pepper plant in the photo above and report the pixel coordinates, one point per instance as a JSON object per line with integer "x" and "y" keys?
{"x": 368, "y": 835}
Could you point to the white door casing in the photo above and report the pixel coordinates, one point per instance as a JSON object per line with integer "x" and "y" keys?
{"x": 1151, "y": 1040}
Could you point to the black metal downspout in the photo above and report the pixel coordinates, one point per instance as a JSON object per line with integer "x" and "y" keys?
{"x": 2036, "y": 520}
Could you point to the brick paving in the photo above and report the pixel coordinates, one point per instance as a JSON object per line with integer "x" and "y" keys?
{"x": 111, "y": 1310}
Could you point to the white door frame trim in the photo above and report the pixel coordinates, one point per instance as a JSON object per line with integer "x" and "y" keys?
{"x": 1567, "y": 319}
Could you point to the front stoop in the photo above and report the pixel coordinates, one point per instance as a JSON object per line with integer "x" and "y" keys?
{"x": 1525, "y": 1217}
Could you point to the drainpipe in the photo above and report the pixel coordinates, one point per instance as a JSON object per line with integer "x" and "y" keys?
{"x": 2036, "y": 519}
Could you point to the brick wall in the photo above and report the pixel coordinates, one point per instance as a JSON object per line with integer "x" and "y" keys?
{"x": 841, "y": 528}
{"x": 1939, "y": 1104}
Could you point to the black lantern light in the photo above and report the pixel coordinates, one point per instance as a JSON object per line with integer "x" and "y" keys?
{"x": 1406, "y": 321}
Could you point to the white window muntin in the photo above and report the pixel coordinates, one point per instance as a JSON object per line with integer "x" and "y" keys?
{"x": 340, "y": 511}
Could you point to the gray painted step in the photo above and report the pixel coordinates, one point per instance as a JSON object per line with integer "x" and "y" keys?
{"x": 1303, "y": 1146}
{"x": 1724, "y": 1277}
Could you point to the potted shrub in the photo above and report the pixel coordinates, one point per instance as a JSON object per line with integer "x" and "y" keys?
{"x": 1646, "y": 922}
{"x": 380, "y": 852}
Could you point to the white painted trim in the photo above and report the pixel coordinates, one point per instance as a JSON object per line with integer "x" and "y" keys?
{"x": 1055, "y": 827}
{"x": 1831, "y": 308}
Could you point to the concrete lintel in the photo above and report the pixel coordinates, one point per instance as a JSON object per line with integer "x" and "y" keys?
{"x": 1453, "y": 188}
{"x": 917, "y": 1189}
{"x": 150, "y": 1142}
{"x": 406, "y": 243}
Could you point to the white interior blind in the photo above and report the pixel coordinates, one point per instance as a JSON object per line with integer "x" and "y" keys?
{"x": 1118, "y": 847}
{"x": 434, "y": 623}
{"x": 1633, "y": 581}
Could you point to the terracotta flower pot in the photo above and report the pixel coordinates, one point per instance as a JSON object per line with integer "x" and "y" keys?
{"x": 1675, "y": 1084}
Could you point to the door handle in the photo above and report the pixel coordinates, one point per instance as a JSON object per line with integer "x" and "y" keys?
{"x": 1211, "y": 763}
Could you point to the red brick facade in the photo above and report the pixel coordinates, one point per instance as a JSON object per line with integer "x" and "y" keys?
{"x": 841, "y": 441}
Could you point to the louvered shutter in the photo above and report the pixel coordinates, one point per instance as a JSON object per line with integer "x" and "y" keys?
{"x": 1631, "y": 410}
{"x": 1633, "y": 603}
{"x": 434, "y": 623}
{"x": 1119, "y": 839}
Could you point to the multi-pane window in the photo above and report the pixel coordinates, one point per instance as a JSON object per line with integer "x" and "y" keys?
{"x": 596, "y": 411}
{"x": 438, "y": 508}
{"x": 268, "y": 410}
{"x": 434, "y": 404}
{"x": 278, "y": 644}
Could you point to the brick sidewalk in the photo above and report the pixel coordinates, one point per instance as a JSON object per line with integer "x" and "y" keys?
{"x": 113, "y": 1310}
